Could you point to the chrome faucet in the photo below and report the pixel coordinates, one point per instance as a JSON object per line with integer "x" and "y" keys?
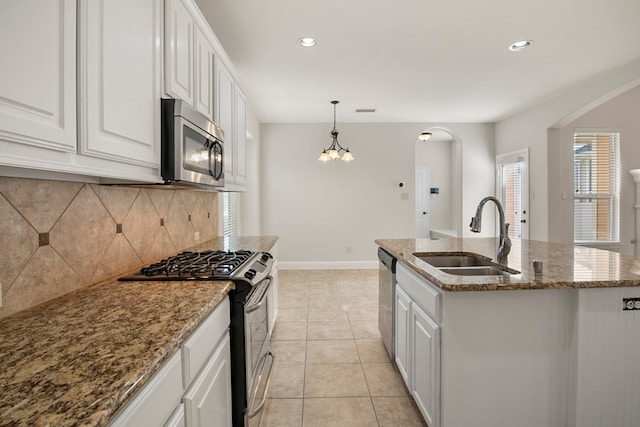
{"x": 505, "y": 241}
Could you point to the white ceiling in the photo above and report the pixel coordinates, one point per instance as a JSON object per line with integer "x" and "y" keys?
{"x": 418, "y": 60}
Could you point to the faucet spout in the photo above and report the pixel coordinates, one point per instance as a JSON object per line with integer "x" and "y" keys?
{"x": 505, "y": 242}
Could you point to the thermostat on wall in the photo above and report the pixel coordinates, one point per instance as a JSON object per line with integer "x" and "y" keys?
{"x": 435, "y": 190}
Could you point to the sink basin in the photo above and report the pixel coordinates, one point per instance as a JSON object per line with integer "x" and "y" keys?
{"x": 476, "y": 271}
{"x": 455, "y": 260}
{"x": 464, "y": 264}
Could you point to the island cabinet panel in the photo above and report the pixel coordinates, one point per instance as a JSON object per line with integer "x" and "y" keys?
{"x": 403, "y": 303}
{"x": 607, "y": 383}
{"x": 425, "y": 365}
{"x": 418, "y": 341}
{"x": 506, "y": 357}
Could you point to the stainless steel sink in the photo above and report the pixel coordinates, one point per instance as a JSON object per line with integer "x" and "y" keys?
{"x": 464, "y": 264}
{"x": 454, "y": 260}
{"x": 476, "y": 271}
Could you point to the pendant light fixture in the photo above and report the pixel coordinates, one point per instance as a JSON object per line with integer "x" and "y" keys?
{"x": 335, "y": 150}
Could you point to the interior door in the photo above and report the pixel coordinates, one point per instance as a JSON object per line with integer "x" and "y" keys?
{"x": 422, "y": 202}
{"x": 513, "y": 191}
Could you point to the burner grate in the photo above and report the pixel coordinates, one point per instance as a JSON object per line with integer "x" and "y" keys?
{"x": 198, "y": 265}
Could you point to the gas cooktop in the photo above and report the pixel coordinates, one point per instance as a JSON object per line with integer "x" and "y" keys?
{"x": 204, "y": 265}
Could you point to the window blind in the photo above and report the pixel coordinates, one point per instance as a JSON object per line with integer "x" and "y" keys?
{"x": 596, "y": 173}
{"x": 230, "y": 214}
{"x": 510, "y": 180}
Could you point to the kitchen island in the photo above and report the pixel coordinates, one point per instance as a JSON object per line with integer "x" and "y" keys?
{"x": 554, "y": 349}
{"x": 80, "y": 358}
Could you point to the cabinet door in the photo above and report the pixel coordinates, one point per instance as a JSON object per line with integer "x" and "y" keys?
{"x": 38, "y": 84}
{"x": 425, "y": 365}
{"x": 120, "y": 60}
{"x": 204, "y": 57}
{"x": 403, "y": 307}
{"x": 179, "y": 51}
{"x": 225, "y": 117}
{"x": 240, "y": 147}
{"x": 208, "y": 401}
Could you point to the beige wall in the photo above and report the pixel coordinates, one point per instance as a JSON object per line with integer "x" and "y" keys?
{"x": 620, "y": 113}
{"x": 60, "y": 236}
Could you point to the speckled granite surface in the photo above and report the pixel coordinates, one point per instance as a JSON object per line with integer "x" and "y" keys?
{"x": 565, "y": 266}
{"x": 75, "y": 360}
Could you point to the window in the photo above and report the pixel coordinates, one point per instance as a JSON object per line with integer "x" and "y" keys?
{"x": 596, "y": 176}
{"x": 230, "y": 213}
{"x": 512, "y": 191}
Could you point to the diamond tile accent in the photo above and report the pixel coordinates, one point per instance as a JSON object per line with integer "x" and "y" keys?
{"x": 40, "y": 202}
{"x": 180, "y": 230}
{"x": 45, "y": 277}
{"x": 117, "y": 200}
{"x": 83, "y": 233}
{"x": 19, "y": 243}
{"x": 90, "y": 233}
{"x": 140, "y": 226}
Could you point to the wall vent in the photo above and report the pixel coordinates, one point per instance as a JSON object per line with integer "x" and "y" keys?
{"x": 365, "y": 110}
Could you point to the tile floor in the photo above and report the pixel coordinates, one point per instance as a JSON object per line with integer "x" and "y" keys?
{"x": 331, "y": 367}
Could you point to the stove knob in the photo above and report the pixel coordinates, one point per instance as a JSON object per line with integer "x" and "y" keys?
{"x": 250, "y": 274}
{"x": 266, "y": 256}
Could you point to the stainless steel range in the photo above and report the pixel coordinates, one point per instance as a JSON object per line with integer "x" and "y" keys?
{"x": 251, "y": 358}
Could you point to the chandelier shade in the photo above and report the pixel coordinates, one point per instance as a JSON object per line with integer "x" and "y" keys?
{"x": 335, "y": 151}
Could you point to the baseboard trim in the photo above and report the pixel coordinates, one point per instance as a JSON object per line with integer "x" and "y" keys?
{"x": 327, "y": 265}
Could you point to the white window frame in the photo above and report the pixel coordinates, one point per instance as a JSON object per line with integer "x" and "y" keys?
{"x": 613, "y": 195}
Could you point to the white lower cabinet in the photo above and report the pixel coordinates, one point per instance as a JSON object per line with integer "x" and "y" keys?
{"x": 417, "y": 340}
{"x": 208, "y": 401}
{"x": 155, "y": 403}
{"x": 177, "y": 419}
{"x": 202, "y": 367}
{"x": 425, "y": 364}
{"x": 403, "y": 327}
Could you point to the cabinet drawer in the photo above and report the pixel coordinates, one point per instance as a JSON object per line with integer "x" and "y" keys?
{"x": 199, "y": 346}
{"x": 420, "y": 291}
{"x": 153, "y": 405}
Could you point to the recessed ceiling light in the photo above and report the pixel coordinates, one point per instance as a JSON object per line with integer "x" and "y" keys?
{"x": 307, "y": 42}
{"x": 520, "y": 45}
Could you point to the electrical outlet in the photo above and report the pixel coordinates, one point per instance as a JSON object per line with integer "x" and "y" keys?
{"x": 196, "y": 235}
{"x": 630, "y": 304}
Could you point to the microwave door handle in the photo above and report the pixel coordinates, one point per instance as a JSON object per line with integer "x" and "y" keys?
{"x": 211, "y": 171}
{"x": 218, "y": 165}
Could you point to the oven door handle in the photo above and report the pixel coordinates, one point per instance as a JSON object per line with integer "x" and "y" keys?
{"x": 254, "y": 307}
{"x": 259, "y": 408}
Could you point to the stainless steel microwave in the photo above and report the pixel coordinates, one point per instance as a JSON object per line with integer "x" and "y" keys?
{"x": 192, "y": 147}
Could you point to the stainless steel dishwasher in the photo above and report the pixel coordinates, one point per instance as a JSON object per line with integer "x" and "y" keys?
{"x": 386, "y": 299}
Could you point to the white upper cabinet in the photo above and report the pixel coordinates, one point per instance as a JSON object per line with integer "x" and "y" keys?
{"x": 38, "y": 85}
{"x": 204, "y": 61}
{"x": 224, "y": 116}
{"x": 240, "y": 146}
{"x": 189, "y": 55}
{"x": 80, "y": 93}
{"x": 231, "y": 116}
{"x": 120, "y": 58}
{"x": 179, "y": 64}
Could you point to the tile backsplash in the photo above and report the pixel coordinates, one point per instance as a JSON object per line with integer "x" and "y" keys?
{"x": 57, "y": 236}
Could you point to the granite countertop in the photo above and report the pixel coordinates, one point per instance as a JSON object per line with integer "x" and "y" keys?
{"x": 75, "y": 360}
{"x": 565, "y": 266}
